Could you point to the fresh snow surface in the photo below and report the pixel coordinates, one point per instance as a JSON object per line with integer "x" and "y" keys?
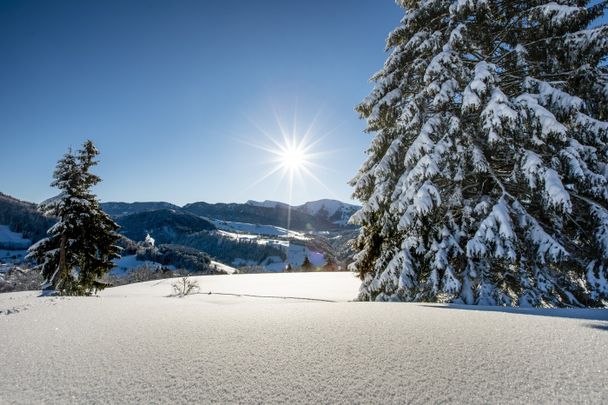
{"x": 135, "y": 344}
{"x": 11, "y": 238}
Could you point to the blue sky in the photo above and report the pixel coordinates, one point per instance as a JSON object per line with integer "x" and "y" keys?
{"x": 178, "y": 94}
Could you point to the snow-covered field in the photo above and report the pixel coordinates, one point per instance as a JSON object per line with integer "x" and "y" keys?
{"x": 292, "y": 338}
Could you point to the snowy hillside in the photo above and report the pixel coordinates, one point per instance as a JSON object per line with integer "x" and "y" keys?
{"x": 294, "y": 252}
{"x": 129, "y": 263}
{"x": 266, "y": 203}
{"x": 223, "y": 267}
{"x": 13, "y": 246}
{"x": 329, "y": 206}
{"x": 219, "y": 235}
{"x": 257, "y": 229}
{"x": 12, "y": 239}
{"x": 292, "y": 338}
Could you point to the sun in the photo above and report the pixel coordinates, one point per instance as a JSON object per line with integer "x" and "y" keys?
{"x": 295, "y": 156}
{"x": 292, "y": 156}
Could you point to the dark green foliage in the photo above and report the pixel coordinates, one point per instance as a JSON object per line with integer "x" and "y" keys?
{"x": 166, "y": 226}
{"x": 178, "y": 256}
{"x": 127, "y": 246}
{"x": 81, "y": 246}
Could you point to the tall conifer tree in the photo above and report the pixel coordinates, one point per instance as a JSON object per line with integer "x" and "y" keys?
{"x": 81, "y": 245}
{"x": 486, "y": 182}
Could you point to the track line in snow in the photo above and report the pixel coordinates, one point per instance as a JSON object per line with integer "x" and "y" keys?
{"x": 266, "y": 296}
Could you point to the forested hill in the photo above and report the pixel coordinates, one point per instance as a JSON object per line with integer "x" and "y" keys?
{"x": 280, "y": 215}
{"x": 23, "y": 217}
{"x": 120, "y": 209}
{"x": 165, "y": 225}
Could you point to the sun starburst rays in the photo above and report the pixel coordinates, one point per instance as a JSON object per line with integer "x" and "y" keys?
{"x": 294, "y": 155}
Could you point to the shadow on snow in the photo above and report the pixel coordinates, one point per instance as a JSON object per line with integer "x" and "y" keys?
{"x": 592, "y": 314}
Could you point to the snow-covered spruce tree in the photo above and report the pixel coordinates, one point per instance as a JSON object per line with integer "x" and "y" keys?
{"x": 486, "y": 182}
{"x": 81, "y": 245}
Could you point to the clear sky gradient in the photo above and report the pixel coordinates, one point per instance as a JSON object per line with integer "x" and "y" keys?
{"x": 178, "y": 95}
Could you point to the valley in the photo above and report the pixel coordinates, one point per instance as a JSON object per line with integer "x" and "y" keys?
{"x": 200, "y": 238}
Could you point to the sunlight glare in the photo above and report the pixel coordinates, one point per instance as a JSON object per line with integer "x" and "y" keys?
{"x": 292, "y": 156}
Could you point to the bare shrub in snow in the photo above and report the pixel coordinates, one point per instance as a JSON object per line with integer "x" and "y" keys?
{"x": 185, "y": 286}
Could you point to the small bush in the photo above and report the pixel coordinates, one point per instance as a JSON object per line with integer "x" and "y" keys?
{"x": 185, "y": 286}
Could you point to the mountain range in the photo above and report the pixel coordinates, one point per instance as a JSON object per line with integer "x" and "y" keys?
{"x": 321, "y": 215}
{"x": 269, "y": 234}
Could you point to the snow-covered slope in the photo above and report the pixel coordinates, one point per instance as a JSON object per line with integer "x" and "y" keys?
{"x": 329, "y": 206}
{"x": 13, "y": 239}
{"x": 265, "y": 203}
{"x": 249, "y": 342}
{"x": 256, "y": 229}
{"x": 13, "y": 246}
{"x": 336, "y": 211}
{"x": 223, "y": 267}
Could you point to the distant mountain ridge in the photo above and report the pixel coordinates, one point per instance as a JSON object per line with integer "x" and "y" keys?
{"x": 120, "y": 209}
{"x": 268, "y": 233}
{"x": 320, "y": 215}
{"x": 266, "y": 203}
{"x": 336, "y": 211}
